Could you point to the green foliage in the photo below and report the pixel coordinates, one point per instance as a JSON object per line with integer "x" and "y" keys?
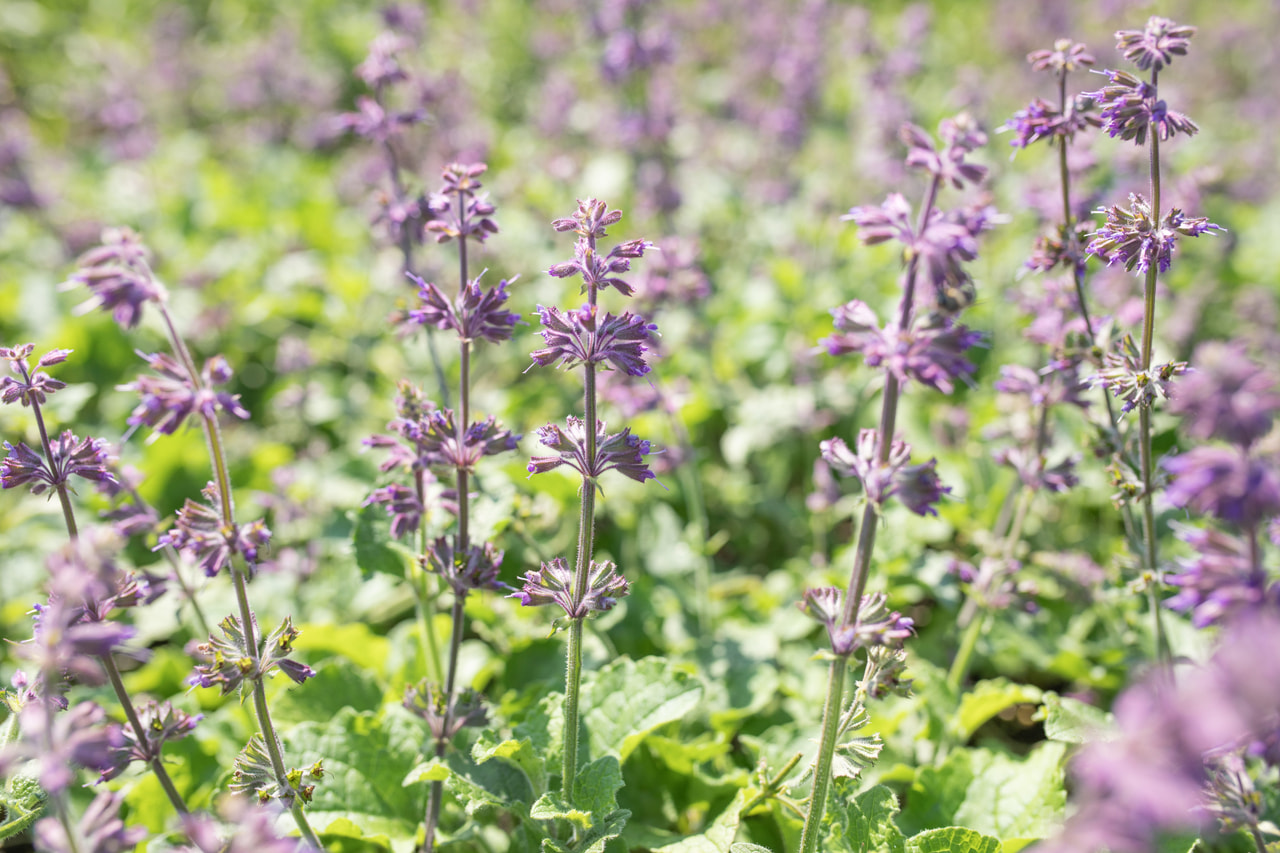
{"x": 1068, "y": 720}
{"x": 952, "y": 839}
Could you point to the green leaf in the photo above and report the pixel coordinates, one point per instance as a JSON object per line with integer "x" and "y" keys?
{"x": 1068, "y": 720}
{"x": 355, "y": 641}
{"x": 627, "y": 699}
{"x": 866, "y": 825}
{"x": 988, "y": 698}
{"x": 718, "y": 837}
{"x": 376, "y": 552}
{"x": 343, "y": 836}
{"x": 338, "y": 684}
{"x": 594, "y": 809}
{"x": 428, "y": 771}
{"x": 1000, "y": 795}
{"x": 952, "y": 839}
{"x": 518, "y": 754}
{"x": 745, "y": 847}
{"x": 366, "y": 757}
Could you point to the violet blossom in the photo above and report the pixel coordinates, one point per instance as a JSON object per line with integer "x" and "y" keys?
{"x": 577, "y": 337}
{"x": 621, "y": 451}
{"x": 917, "y": 486}
{"x": 552, "y": 583}
{"x": 170, "y": 397}
{"x": 119, "y": 277}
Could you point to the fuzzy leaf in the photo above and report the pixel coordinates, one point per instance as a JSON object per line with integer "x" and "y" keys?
{"x": 594, "y": 809}
{"x": 952, "y": 839}
{"x": 428, "y": 771}
{"x": 866, "y": 825}
{"x": 745, "y": 847}
{"x": 1068, "y": 720}
{"x": 376, "y": 551}
{"x": 338, "y": 684}
{"x": 988, "y": 698}
{"x": 627, "y": 699}
{"x": 518, "y": 754}
{"x": 366, "y": 756}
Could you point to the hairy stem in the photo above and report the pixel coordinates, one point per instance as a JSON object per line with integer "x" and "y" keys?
{"x": 826, "y": 751}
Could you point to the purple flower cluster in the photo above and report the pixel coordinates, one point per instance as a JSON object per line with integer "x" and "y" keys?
{"x": 917, "y": 486}
{"x": 875, "y": 625}
{"x": 33, "y": 387}
{"x": 119, "y": 276}
{"x": 1122, "y": 374}
{"x": 478, "y": 568}
{"x": 476, "y": 314}
{"x": 202, "y": 532}
{"x": 1130, "y": 237}
{"x": 459, "y": 210}
{"x": 575, "y": 337}
{"x": 170, "y": 397}
{"x": 552, "y": 583}
{"x": 426, "y": 438}
{"x": 619, "y": 451}
{"x": 229, "y": 666}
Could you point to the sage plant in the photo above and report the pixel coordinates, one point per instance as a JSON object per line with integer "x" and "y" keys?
{"x": 1141, "y": 239}
{"x": 925, "y": 344}
{"x": 430, "y": 441}
{"x": 594, "y": 340}
{"x": 119, "y": 277}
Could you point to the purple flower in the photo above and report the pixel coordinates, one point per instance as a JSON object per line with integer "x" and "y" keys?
{"x": 620, "y": 451}
{"x": 459, "y": 211}
{"x": 476, "y": 314}
{"x": 1226, "y": 396}
{"x": 162, "y": 723}
{"x": 402, "y": 505}
{"x": 576, "y": 337}
{"x": 250, "y": 829}
{"x": 917, "y": 486}
{"x": 478, "y": 568}
{"x": 1034, "y": 473}
{"x": 374, "y": 122}
{"x": 962, "y": 136}
{"x": 202, "y": 533}
{"x": 1156, "y": 45}
{"x": 83, "y": 457}
{"x": 1129, "y": 108}
{"x": 381, "y": 68}
{"x": 931, "y": 354}
{"x": 875, "y": 625}
{"x": 1130, "y": 237}
{"x": 167, "y": 399}
{"x": 100, "y": 830}
{"x": 598, "y": 271}
{"x": 33, "y": 388}
{"x": 1219, "y": 580}
{"x": 119, "y": 277}
{"x": 59, "y": 742}
{"x": 1226, "y": 483}
{"x": 552, "y": 583}
{"x": 228, "y": 664}
{"x": 1065, "y": 56}
{"x": 1123, "y": 375}
{"x": 1058, "y": 384}
{"x": 1042, "y": 120}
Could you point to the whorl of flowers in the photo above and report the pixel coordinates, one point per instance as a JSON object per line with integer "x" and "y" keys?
{"x": 119, "y": 277}
{"x": 917, "y": 486}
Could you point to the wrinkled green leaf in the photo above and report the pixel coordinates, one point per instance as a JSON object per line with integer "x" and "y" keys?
{"x": 866, "y": 824}
{"x": 952, "y": 839}
{"x": 1068, "y": 720}
{"x": 343, "y": 836}
{"x": 338, "y": 684}
{"x": 744, "y": 847}
{"x": 988, "y": 698}
{"x": 518, "y": 754}
{"x": 594, "y": 809}
{"x": 366, "y": 757}
{"x": 627, "y": 699}
{"x": 356, "y": 642}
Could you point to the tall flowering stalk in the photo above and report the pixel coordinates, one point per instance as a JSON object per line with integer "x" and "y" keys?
{"x": 119, "y": 277}
{"x": 1140, "y": 239}
{"x": 584, "y": 337}
{"x": 925, "y": 344}
{"x": 430, "y": 441}
{"x": 83, "y": 608}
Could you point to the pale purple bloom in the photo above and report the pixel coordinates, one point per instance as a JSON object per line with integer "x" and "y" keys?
{"x": 375, "y": 122}
{"x": 1225, "y": 482}
{"x": 1065, "y": 56}
{"x": 119, "y": 277}
{"x": 1042, "y": 120}
{"x": 204, "y": 536}
{"x": 80, "y": 737}
{"x": 1155, "y": 45}
{"x": 99, "y": 830}
{"x": 552, "y": 583}
{"x": 476, "y": 314}
{"x": 477, "y": 568}
{"x": 931, "y": 354}
{"x": 162, "y": 723}
{"x": 1130, "y": 238}
{"x": 1034, "y": 472}
{"x": 961, "y": 136}
{"x": 32, "y": 388}
{"x": 381, "y": 68}
{"x": 1057, "y": 384}
{"x": 1219, "y": 580}
{"x": 458, "y": 210}
{"x": 170, "y": 397}
{"x": 402, "y": 505}
{"x": 228, "y": 662}
{"x": 619, "y": 451}
{"x": 917, "y": 486}
{"x": 83, "y": 457}
{"x": 1226, "y": 396}
{"x": 1129, "y": 108}
{"x": 250, "y": 829}
{"x": 578, "y": 337}
{"x": 1123, "y": 375}
{"x": 875, "y": 625}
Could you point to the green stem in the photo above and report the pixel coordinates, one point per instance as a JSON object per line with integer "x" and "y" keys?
{"x": 826, "y": 751}
{"x": 573, "y": 654}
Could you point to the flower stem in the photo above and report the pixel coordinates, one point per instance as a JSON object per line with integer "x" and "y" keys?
{"x": 573, "y": 653}
{"x": 826, "y": 751}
